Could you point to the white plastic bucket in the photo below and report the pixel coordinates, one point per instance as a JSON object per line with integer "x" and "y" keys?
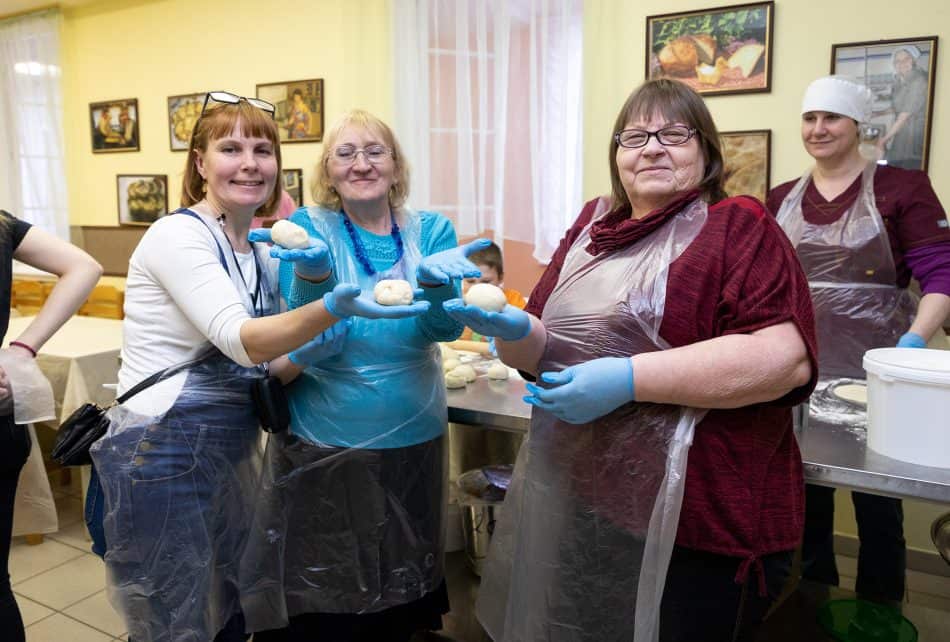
{"x": 909, "y": 404}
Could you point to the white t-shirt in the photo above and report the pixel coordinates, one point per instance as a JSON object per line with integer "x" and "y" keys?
{"x": 178, "y": 297}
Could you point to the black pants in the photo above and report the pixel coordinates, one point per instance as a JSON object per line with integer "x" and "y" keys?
{"x": 882, "y": 557}
{"x": 15, "y": 446}
{"x": 703, "y": 603}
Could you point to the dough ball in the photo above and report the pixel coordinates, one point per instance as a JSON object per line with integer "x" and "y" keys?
{"x": 486, "y": 296}
{"x": 289, "y": 235}
{"x": 453, "y": 380}
{"x": 466, "y": 371}
{"x": 852, "y": 392}
{"x": 447, "y": 352}
{"x": 393, "y": 292}
{"x": 498, "y": 370}
{"x": 448, "y": 365}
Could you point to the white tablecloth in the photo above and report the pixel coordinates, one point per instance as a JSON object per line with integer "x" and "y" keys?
{"x": 77, "y": 360}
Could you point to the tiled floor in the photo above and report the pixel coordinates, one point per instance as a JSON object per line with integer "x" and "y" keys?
{"x": 60, "y": 587}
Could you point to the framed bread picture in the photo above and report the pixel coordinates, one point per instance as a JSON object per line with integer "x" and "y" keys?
{"x": 726, "y": 50}
{"x": 747, "y": 158}
{"x": 143, "y": 198}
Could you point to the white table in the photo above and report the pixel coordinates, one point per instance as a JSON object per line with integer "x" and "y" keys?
{"x": 81, "y": 357}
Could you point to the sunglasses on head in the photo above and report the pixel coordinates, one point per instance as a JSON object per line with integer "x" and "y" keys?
{"x": 233, "y": 99}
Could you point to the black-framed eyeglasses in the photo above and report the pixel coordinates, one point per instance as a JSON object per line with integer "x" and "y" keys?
{"x": 233, "y": 99}
{"x": 674, "y": 135}
{"x": 346, "y": 154}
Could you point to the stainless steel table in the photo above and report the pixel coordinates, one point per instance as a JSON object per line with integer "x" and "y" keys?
{"x": 832, "y": 457}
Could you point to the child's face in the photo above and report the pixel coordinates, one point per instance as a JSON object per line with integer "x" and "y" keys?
{"x": 489, "y": 275}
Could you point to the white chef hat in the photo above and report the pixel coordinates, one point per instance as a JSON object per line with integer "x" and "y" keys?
{"x": 839, "y": 95}
{"x": 911, "y": 50}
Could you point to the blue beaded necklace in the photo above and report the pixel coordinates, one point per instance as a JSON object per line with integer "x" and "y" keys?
{"x": 360, "y": 250}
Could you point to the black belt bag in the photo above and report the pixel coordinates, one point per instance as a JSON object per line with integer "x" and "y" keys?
{"x": 273, "y": 409}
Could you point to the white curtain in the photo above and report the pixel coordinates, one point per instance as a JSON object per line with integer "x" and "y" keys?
{"x": 488, "y": 109}
{"x": 32, "y": 171}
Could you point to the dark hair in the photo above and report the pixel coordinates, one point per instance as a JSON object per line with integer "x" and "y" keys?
{"x": 219, "y": 121}
{"x": 490, "y": 256}
{"x": 673, "y": 101}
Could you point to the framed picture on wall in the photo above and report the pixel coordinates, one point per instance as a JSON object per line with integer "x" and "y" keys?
{"x": 900, "y": 73}
{"x": 299, "y": 106}
{"x": 143, "y": 198}
{"x": 183, "y": 113}
{"x": 114, "y": 125}
{"x": 726, "y": 50}
{"x": 747, "y": 156}
{"x": 292, "y": 181}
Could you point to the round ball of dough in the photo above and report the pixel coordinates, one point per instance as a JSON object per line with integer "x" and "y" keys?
{"x": 393, "y": 292}
{"x": 498, "y": 370}
{"x": 486, "y": 296}
{"x": 453, "y": 380}
{"x": 466, "y": 371}
{"x": 447, "y": 352}
{"x": 448, "y": 365}
{"x": 289, "y": 235}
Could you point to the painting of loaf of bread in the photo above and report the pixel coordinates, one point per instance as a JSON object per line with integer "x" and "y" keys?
{"x": 746, "y": 157}
{"x": 714, "y": 51}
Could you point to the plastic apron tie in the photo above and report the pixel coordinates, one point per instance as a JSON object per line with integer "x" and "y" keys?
{"x": 350, "y": 514}
{"x": 585, "y": 536}
{"x": 852, "y": 277}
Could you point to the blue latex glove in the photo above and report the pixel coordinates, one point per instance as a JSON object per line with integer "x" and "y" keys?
{"x": 327, "y": 344}
{"x": 442, "y": 267}
{"x": 310, "y": 262}
{"x": 345, "y": 301}
{"x": 511, "y": 324}
{"x": 586, "y": 391}
{"x": 492, "y": 350}
{"x": 911, "y": 340}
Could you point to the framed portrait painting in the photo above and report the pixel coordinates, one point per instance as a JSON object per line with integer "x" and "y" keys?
{"x": 747, "y": 158}
{"x": 726, "y": 50}
{"x": 292, "y": 182}
{"x": 900, "y": 74}
{"x": 299, "y": 109}
{"x": 114, "y": 125}
{"x": 143, "y": 198}
{"x": 183, "y": 113}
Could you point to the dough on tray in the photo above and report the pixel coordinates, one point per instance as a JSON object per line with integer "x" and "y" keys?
{"x": 497, "y": 370}
{"x": 855, "y": 393}
{"x": 448, "y": 365}
{"x": 289, "y": 235}
{"x": 453, "y": 380}
{"x": 393, "y": 292}
{"x": 466, "y": 371}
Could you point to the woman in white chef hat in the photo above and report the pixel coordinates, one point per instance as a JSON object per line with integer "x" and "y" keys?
{"x": 861, "y": 230}
{"x": 903, "y": 143}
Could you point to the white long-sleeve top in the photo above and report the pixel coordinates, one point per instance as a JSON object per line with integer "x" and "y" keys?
{"x": 178, "y": 297}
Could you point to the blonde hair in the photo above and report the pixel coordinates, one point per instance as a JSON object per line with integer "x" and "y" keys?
{"x": 220, "y": 121}
{"x": 324, "y": 193}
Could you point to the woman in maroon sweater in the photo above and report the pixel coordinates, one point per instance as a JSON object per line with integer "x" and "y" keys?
{"x": 669, "y": 314}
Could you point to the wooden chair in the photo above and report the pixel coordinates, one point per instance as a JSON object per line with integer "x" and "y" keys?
{"x": 27, "y": 296}
{"x": 105, "y": 302}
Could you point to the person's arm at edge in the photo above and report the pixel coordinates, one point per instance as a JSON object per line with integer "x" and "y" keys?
{"x": 78, "y": 274}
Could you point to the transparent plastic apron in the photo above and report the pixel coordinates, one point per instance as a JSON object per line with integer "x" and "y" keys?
{"x": 587, "y": 529}
{"x": 852, "y": 278}
{"x": 178, "y": 492}
{"x": 351, "y": 512}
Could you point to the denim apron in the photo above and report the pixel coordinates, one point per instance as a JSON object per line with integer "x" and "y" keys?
{"x": 584, "y": 540}
{"x": 177, "y": 493}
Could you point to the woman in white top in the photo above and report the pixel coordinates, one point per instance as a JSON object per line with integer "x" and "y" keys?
{"x": 180, "y": 460}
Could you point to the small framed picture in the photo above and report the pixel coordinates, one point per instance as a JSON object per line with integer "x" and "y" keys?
{"x": 115, "y": 125}
{"x": 747, "y": 158}
{"x": 292, "y": 181}
{"x": 900, "y": 74}
{"x": 183, "y": 113}
{"x": 726, "y": 50}
{"x": 299, "y": 106}
{"x": 143, "y": 198}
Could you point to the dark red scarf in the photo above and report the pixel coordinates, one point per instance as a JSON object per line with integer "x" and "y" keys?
{"x": 617, "y": 230}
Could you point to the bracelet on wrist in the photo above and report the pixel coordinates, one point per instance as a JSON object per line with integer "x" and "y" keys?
{"x": 20, "y": 344}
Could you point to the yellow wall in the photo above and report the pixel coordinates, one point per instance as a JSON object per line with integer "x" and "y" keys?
{"x": 152, "y": 49}
{"x": 804, "y": 30}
